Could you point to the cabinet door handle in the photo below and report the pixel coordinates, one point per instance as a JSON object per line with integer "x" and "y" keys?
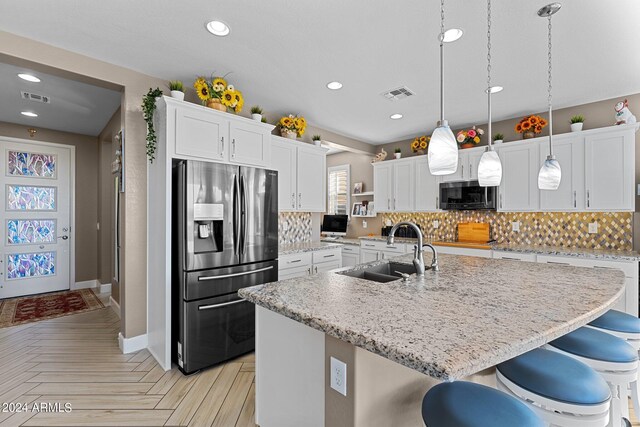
{"x": 558, "y": 263}
{"x": 222, "y": 151}
{"x": 233, "y": 148}
{"x": 394, "y": 203}
{"x": 437, "y": 202}
{"x": 377, "y": 256}
{"x": 370, "y": 246}
{"x": 575, "y": 203}
{"x": 316, "y": 269}
{"x": 470, "y": 170}
{"x": 294, "y": 261}
{"x": 309, "y": 271}
{"x": 462, "y": 174}
{"x": 293, "y": 200}
{"x": 500, "y": 201}
{"x": 329, "y": 256}
{"x": 299, "y": 200}
{"x": 389, "y": 204}
{"x": 588, "y": 201}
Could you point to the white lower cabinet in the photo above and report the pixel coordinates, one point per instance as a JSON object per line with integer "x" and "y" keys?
{"x": 376, "y": 250}
{"x": 309, "y": 263}
{"x": 350, "y": 255}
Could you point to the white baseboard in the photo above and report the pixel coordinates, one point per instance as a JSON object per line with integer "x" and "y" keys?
{"x": 133, "y": 344}
{"x": 114, "y": 306}
{"x": 86, "y": 284}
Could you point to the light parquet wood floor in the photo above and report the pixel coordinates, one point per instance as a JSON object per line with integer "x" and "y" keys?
{"x": 76, "y": 360}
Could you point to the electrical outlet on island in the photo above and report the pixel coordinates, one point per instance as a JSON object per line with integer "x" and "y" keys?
{"x": 593, "y": 228}
{"x": 339, "y": 376}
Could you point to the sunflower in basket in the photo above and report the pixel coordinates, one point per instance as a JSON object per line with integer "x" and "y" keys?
{"x": 420, "y": 143}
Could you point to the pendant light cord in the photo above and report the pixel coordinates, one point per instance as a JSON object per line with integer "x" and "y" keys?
{"x": 489, "y": 73}
{"x": 441, "y": 63}
{"x": 549, "y": 98}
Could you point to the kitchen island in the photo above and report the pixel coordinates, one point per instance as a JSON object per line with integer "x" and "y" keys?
{"x": 402, "y": 337}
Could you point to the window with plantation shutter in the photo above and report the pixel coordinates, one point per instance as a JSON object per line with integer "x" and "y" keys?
{"x": 338, "y": 190}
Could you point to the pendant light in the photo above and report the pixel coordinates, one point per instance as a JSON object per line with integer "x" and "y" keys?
{"x": 490, "y": 167}
{"x": 443, "y": 148}
{"x": 550, "y": 173}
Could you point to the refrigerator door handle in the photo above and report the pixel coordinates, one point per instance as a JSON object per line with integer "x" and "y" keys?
{"x": 236, "y": 215}
{"x": 226, "y": 276}
{"x": 243, "y": 210}
{"x": 224, "y": 304}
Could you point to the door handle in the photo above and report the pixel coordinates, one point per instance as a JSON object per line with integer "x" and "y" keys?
{"x": 437, "y": 202}
{"x": 243, "y": 213}
{"x": 588, "y": 201}
{"x": 500, "y": 201}
{"x": 309, "y": 271}
{"x": 233, "y": 148}
{"x": 470, "y": 170}
{"x": 224, "y": 304}
{"x": 236, "y": 215}
{"x": 394, "y": 203}
{"x": 293, "y": 200}
{"x": 575, "y": 203}
{"x": 63, "y": 237}
{"x": 222, "y": 150}
{"x": 226, "y": 276}
{"x": 316, "y": 268}
{"x": 462, "y": 166}
{"x": 388, "y": 203}
{"x": 299, "y": 200}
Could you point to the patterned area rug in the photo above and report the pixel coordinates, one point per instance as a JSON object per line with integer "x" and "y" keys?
{"x": 16, "y": 311}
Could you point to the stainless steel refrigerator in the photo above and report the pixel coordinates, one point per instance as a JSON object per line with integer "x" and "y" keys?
{"x": 225, "y": 235}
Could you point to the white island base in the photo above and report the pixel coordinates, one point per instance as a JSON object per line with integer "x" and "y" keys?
{"x": 293, "y": 380}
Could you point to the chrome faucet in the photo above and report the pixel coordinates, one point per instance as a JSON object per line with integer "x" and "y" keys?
{"x": 418, "y": 260}
{"x": 434, "y": 260}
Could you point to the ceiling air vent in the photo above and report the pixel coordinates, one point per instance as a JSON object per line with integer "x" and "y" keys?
{"x": 398, "y": 93}
{"x": 35, "y": 97}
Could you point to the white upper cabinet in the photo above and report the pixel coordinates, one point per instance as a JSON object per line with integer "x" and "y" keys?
{"x": 519, "y": 187}
{"x": 312, "y": 178}
{"x": 569, "y": 196}
{"x": 283, "y": 159}
{"x": 459, "y": 173}
{"x": 302, "y": 175}
{"x": 610, "y": 170}
{"x": 468, "y": 159}
{"x": 200, "y": 134}
{"x": 383, "y": 186}
{"x": 403, "y": 197}
{"x": 427, "y": 187}
{"x": 250, "y": 144}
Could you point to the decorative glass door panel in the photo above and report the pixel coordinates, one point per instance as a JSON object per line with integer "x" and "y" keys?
{"x": 36, "y": 218}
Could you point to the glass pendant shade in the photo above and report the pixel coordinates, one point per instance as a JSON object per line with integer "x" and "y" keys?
{"x": 489, "y": 169}
{"x": 550, "y": 175}
{"x": 443, "y": 152}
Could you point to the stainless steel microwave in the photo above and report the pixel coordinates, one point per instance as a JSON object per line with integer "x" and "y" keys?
{"x": 467, "y": 195}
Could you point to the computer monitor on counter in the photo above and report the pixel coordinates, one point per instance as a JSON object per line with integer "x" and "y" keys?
{"x": 335, "y": 225}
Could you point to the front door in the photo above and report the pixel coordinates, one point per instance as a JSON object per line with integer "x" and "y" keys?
{"x": 35, "y": 220}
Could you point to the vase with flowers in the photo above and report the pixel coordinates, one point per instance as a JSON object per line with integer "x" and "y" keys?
{"x": 419, "y": 144}
{"x": 469, "y": 138}
{"x": 292, "y": 127}
{"x": 217, "y": 94}
{"x": 530, "y": 126}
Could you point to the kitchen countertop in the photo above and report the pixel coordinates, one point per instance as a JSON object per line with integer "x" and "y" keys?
{"x": 343, "y": 240}
{"x": 607, "y": 254}
{"x": 472, "y": 314}
{"x": 294, "y": 248}
{"x": 396, "y": 239}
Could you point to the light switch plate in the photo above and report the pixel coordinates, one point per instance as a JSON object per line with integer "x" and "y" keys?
{"x": 593, "y": 227}
{"x": 339, "y": 376}
{"x": 515, "y": 226}
{"x": 436, "y": 224}
{"x": 364, "y": 223}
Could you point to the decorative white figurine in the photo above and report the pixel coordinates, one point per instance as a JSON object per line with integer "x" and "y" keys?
{"x": 380, "y": 156}
{"x": 623, "y": 114}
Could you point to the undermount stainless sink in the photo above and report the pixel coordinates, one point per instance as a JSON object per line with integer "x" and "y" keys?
{"x": 381, "y": 273}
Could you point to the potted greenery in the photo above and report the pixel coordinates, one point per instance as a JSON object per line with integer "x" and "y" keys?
{"x": 498, "y": 138}
{"x": 256, "y": 113}
{"x": 397, "y": 152}
{"x": 317, "y": 140}
{"x": 177, "y": 89}
{"x": 576, "y": 123}
{"x": 263, "y": 120}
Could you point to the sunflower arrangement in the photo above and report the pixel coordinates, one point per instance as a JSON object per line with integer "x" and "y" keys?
{"x": 420, "y": 143}
{"x": 291, "y": 123}
{"x": 469, "y": 136}
{"x": 531, "y": 123}
{"x": 217, "y": 88}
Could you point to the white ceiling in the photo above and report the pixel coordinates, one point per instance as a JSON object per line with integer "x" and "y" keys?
{"x": 75, "y": 107}
{"x": 283, "y": 52}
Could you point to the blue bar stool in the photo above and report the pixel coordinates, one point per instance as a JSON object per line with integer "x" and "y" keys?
{"x": 612, "y": 357}
{"x": 620, "y": 324}
{"x": 559, "y": 389}
{"x": 466, "y": 404}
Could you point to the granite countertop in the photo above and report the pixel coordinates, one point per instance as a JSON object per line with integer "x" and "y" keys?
{"x": 343, "y": 240}
{"x": 607, "y": 254}
{"x": 472, "y": 314}
{"x": 396, "y": 239}
{"x": 294, "y": 248}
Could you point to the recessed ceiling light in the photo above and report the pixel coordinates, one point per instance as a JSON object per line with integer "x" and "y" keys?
{"x": 395, "y": 116}
{"x": 218, "y": 28}
{"x": 494, "y": 89}
{"x": 29, "y": 77}
{"x": 28, "y": 114}
{"x": 452, "y": 35}
{"x": 334, "y": 85}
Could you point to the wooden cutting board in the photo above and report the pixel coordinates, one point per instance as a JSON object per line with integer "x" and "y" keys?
{"x": 474, "y": 232}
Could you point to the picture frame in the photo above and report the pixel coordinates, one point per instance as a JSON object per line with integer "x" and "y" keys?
{"x": 357, "y": 188}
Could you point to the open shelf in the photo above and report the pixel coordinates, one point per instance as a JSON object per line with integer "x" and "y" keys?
{"x": 366, "y": 193}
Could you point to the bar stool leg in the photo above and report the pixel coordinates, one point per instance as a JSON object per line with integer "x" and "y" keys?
{"x": 624, "y": 400}
{"x": 616, "y": 410}
{"x": 634, "y": 398}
